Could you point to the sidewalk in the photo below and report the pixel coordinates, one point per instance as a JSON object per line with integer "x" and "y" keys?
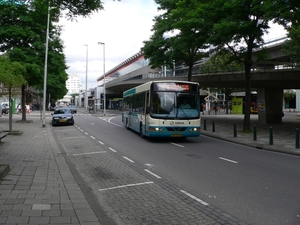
{"x": 41, "y": 188}
{"x": 277, "y": 137}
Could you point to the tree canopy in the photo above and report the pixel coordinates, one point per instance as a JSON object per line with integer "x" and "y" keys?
{"x": 237, "y": 26}
{"x": 179, "y": 35}
{"x": 23, "y": 37}
{"x": 11, "y": 76}
{"x": 11, "y": 73}
{"x": 291, "y": 47}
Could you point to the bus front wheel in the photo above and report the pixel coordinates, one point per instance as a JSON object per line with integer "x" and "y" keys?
{"x": 141, "y": 131}
{"x": 127, "y": 126}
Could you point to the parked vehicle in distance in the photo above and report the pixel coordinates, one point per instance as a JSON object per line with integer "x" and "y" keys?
{"x": 5, "y": 103}
{"x": 62, "y": 116}
{"x": 73, "y": 108}
{"x": 4, "y": 109}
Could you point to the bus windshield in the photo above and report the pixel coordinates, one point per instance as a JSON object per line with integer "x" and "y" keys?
{"x": 174, "y": 105}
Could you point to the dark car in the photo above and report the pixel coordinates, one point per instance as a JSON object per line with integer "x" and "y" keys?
{"x": 62, "y": 116}
{"x": 4, "y": 109}
{"x": 73, "y": 108}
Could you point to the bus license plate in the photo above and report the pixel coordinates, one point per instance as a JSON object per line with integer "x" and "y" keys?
{"x": 176, "y": 135}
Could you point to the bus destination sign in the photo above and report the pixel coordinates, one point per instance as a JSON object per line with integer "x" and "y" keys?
{"x": 172, "y": 87}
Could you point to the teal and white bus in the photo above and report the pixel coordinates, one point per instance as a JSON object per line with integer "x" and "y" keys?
{"x": 163, "y": 109}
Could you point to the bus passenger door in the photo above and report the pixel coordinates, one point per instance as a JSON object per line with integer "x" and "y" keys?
{"x": 130, "y": 118}
{"x": 147, "y": 115}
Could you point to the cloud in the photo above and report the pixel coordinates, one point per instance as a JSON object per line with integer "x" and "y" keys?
{"x": 122, "y": 26}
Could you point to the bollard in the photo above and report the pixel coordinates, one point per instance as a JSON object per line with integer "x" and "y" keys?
{"x": 271, "y": 136}
{"x": 204, "y": 124}
{"x": 297, "y": 138}
{"x": 213, "y": 126}
{"x": 234, "y": 129}
{"x": 254, "y": 133}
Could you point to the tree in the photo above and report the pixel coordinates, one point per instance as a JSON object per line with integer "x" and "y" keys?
{"x": 292, "y": 46}
{"x": 187, "y": 44}
{"x": 222, "y": 61}
{"x": 23, "y": 35}
{"x": 23, "y": 39}
{"x": 238, "y": 27}
{"x": 11, "y": 75}
{"x": 289, "y": 96}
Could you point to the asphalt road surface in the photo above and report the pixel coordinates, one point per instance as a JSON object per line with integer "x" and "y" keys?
{"x": 254, "y": 186}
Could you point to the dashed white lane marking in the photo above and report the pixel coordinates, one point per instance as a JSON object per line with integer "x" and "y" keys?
{"x": 86, "y": 133}
{"x": 89, "y": 153}
{"x": 112, "y": 149}
{"x": 228, "y": 160}
{"x": 153, "y": 174}
{"x": 101, "y": 142}
{"x": 92, "y": 137}
{"x": 74, "y": 137}
{"x": 128, "y": 159}
{"x": 194, "y": 197}
{"x": 127, "y": 185}
{"x": 177, "y": 144}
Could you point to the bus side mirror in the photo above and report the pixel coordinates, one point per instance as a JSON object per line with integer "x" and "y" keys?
{"x": 148, "y": 109}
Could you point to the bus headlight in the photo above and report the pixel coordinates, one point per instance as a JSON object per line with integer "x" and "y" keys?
{"x": 155, "y": 129}
{"x": 194, "y": 129}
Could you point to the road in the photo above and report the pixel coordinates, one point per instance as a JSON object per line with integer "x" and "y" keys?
{"x": 254, "y": 186}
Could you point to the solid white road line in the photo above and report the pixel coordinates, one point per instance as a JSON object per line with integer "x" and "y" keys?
{"x": 127, "y": 185}
{"x": 228, "y": 160}
{"x": 194, "y": 197}
{"x": 111, "y": 122}
{"x": 73, "y": 137}
{"x": 89, "y": 153}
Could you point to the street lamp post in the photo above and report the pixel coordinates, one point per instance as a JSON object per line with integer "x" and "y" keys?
{"x": 45, "y": 69}
{"x": 86, "y": 75}
{"x": 104, "y": 94}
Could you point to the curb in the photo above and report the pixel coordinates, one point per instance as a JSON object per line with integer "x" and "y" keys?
{"x": 4, "y": 169}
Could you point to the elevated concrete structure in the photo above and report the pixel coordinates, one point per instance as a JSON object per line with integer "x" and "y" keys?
{"x": 268, "y": 78}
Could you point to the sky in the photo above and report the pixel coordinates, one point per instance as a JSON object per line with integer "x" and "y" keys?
{"x": 122, "y": 26}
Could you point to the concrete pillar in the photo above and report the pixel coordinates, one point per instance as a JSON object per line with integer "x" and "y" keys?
{"x": 270, "y": 105}
{"x": 298, "y": 102}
